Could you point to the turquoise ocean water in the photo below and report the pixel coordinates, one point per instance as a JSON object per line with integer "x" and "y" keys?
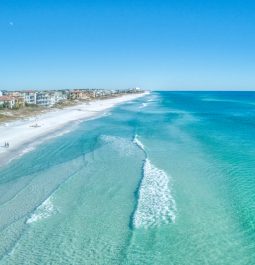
{"x": 165, "y": 179}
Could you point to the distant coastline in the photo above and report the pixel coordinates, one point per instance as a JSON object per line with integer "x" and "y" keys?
{"x": 26, "y": 132}
{"x": 20, "y": 104}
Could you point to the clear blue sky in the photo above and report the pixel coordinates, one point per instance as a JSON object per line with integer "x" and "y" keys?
{"x": 154, "y": 44}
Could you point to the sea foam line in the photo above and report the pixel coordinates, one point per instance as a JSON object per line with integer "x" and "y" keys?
{"x": 138, "y": 143}
{"x": 155, "y": 205}
{"x": 45, "y": 210}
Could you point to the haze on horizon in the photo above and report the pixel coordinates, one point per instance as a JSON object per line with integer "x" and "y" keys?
{"x": 157, "y": 45}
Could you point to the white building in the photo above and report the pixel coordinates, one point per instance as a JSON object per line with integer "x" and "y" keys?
{"x": 50, "y": 98}
{"x": 44, "y": 99}
{"x": 60, "y": 96}
{"x": 29, "y": 97}
{"x": 1, "y": 93}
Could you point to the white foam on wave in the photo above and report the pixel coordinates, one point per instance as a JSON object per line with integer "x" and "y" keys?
{"x": 26, "y": 150}
{"x": 43, "y": 211}
{"x": 138, "y": 143}
{"x": 122, "y": 145}
{"x": 156, "y": 205}
{"x": 143, "y": 105}
{"x": 21, "y": 153}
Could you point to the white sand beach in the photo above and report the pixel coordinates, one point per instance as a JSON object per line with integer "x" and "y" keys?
{"x": 23, "y": 135}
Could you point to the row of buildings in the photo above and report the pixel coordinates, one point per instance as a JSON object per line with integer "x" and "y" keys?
{"x": 48, "y": 98}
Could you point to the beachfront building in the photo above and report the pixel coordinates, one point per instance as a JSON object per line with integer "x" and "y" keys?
{"x": 7, "y": 102}
{"x": 13, "y": 94}
{"x": 88, "y": 93}
{"x": 1, "y": 102}
{"x": 50, "y": 98}
{"x": 44, "y": 99}
{"x": 78, "y": 95}
{"x": 11, "y": 102}
{"x": 19, "y": 102}
{"x": 132, "y": 90}
{"x": 60, "y": 95}
{"x": 29, "y": 97}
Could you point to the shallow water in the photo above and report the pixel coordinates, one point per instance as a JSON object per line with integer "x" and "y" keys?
{"x": 165, "y": 179}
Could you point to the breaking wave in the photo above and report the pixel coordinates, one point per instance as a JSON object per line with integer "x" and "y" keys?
{"x": 138, "y": 143}
{"x": 155, "y": 205}
{"x": 43, "y": 211}
{"x": 121, "y": 145}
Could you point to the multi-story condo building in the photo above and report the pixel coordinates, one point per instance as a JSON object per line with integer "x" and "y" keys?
{"x": 44, "y": 99}
{"x": 29, "y": 97}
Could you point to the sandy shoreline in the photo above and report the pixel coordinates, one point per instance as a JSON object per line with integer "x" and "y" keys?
{"x": 21, "y": 134}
